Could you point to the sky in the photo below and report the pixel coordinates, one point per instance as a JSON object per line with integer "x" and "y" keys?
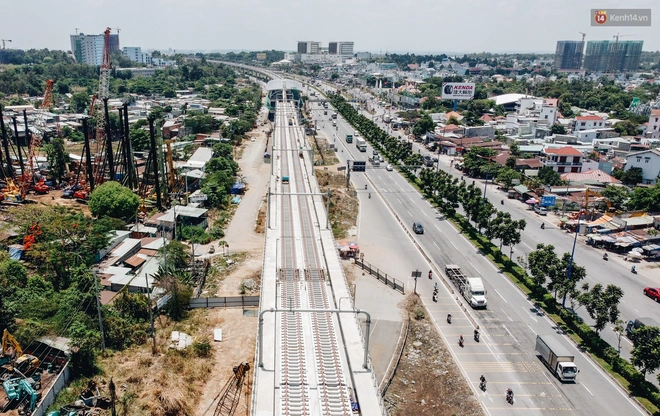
{"x": 416, "y": 26}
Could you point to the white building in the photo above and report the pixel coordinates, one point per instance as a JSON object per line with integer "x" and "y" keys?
{"x": 653, "y": 130}
{"x": 341, "y": 48}
{"x": 588, "y": 123}
{"x": 563, "y": 159}
{"x": 309, "y": 47}
{"x": 648, "y": 161}
{"x": 134, "y": 53}
{"x": 88, "y": 49}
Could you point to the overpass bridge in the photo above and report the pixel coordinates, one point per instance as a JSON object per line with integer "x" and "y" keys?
{"x": 311, "y": 357}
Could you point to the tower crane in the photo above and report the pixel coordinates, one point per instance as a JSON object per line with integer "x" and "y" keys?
{"x": 583, "y": 35}
{"x": 616, "y": 50}
{"x": 102, "y": 141}
{"x": 3, "y": 42}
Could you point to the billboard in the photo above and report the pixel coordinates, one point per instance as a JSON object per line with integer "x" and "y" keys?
{"x": 261, "y": 57}
{"x": 548, "y": 201}
{"x": 457, "y": 91}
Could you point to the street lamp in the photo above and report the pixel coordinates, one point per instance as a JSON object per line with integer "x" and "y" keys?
{"x": 570, "y": 264}
{"x": 487, "y": 173}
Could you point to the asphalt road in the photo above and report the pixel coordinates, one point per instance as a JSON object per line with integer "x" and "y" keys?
{"x": 509, "y": 326}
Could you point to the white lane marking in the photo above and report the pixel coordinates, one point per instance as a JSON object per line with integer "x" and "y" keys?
{"x": 507, "y": 330}
{"x": 550, "y": 382}
{"x": 636, "y": 310}
{"x": 507, "y": 315}
{"x": 399, "y": 201}
{"x": 585, "y": 387}
{"x": 530, "y": 327}
{"x": 411, "y": 200}
{"x": 525, "y": 244}
{"x": 436, "y": 244}
{"x": 530, "y": 314}
{"x": 436, "y": 226}
{"x": 409, "y": 213}
{"x": 453, "y": 245}
{"x": 424, "y": 214}
{"x": 500, "y": 295}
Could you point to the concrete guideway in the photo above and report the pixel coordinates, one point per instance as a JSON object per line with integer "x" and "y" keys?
{"x": 312, "y": 361}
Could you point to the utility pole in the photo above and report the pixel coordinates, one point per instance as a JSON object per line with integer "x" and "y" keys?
{"x": 348, "y": 174}
{"x": 98, "y": 308}
{"x": 154, "y": 161}
{"x": 416, "y": 274}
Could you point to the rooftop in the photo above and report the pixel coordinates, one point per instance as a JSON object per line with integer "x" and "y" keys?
{"x": 596, "y": 175}
{"x": 563, "y": 151}
{"x": 588, "y": 118}
{"x": 283, "y": 84}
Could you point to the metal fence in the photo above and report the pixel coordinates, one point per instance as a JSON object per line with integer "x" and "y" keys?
{"x": 225, "y": 302}
{"x": 378, "y": 274}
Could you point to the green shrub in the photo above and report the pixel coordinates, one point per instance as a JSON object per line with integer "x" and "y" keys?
{"x": 202, "y": 348}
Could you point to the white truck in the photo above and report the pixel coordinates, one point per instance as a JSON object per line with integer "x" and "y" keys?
{"x": 361, "y": 144}
{"x": 472, "y": 288}
{"x": 556, "y": 357}
{"x": 386, "y": 118}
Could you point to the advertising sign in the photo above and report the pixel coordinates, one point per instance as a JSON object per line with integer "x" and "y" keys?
{"x": 197, "y": 198}
{"x": 548, "y": 201}
{"x": 458, "y": 91}
{"x": 261, "y": 57}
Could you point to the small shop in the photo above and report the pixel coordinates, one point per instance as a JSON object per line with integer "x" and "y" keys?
{"x": 348, "y": 250}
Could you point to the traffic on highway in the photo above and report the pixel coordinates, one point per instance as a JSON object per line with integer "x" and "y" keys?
{"x": 504, "y": 348}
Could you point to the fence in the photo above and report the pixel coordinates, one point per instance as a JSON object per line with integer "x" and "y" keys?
{"x": 49, "y": 396}
{"x": 378, "y": 274}
{"x": 225, "y": 302}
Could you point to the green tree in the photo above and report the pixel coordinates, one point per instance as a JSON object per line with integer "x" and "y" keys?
{"x": 633, "y": 176}
{"x": 58, "y": 157}
{"x": 645, "y": 198}
{"x": 562, "y": 282}
{"x": 423, "y": 125}
{"x": 511, "y": 233}
{"x": 543, "y": 263}
{"x": 177, "y": 254}
{"x": 506, "y": 177}
{"x": 602, "y": 305}
{"x": 617, "y": 195}
{"x": 646, "y": 351}
{"x": 114, "y": 200}
{"x": 548, "y": 176}
{"x": 557, "y": 129}
{"x": 79, "y": 102}
{"x": 202, "y": 123}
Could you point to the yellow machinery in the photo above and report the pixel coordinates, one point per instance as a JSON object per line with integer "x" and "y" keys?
{"x": 589, "y": 192}
{"x": 12, "y": 192}
{"x": 13, "y": 357}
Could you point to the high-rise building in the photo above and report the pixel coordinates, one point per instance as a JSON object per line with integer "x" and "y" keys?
{"x": 569, "y": 54}
{"x": 135, "y": 54}
{"x": 340, "y": 48}
{"x": 309, "y": 47}
{"x": 605, "y": 55}
{"x": 88, "y": 49}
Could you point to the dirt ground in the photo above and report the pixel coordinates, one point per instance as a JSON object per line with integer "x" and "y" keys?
{"x": 343, "y": 203}
{"x": 427, "y": 381}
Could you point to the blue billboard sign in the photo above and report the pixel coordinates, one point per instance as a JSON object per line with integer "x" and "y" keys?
{"x": 548, "y": 201}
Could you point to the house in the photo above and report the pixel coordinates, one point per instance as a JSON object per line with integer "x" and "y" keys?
{"x": 588, "y": 123}
{"x": 521, "y": 164}
{"x": 594, "y": 177}
{"x": 648, "y": 161}
{"x": 653, "y": 129}
{"x": 563, "y": 159}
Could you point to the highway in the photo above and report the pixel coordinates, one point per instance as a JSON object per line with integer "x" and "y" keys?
{"x": 615, "y": 271}
{"x": 509, "y": 326}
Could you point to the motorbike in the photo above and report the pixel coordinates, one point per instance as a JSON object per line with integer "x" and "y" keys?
{"x": 460, "y": 341}
{"x": 476, "y": 335}
{"x": 449, "y": 318}
{"x": 605, "y": 257}
{"x": 430, "y": 274}
{"x": 502, "y": 202}
{"x": 634, "y": 270}
{"x": 482, "y": 383}
{"x": 509, "y": 396}
{"x": 369, "y": 195}
{"x": 543, "y": 226}
{"x": 435, "y": 297}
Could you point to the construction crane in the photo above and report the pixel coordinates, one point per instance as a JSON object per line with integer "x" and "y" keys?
{"x": 583, "y": 36}
{"x": 102, "y": 141}
{"x": 230, "y": 394}
{"x": 616, "y": 50}
{"x": 3, "y": 42}
{"x": 27, "y": 181}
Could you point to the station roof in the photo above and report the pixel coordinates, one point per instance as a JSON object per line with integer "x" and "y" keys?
{"x": 283, "y": 84}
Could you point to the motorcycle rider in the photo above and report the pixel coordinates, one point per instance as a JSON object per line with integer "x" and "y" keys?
{"x": 449, "y": 318}
{"x": 633, "y": 269}
{"x": 430, "y": 274}
{"x": 605, "y": 256}
{"x": 543, "y": 226}
{"x": 482, "y": 383}
{"x": 476, "y": 334}
{"x": 460, "y": 340}
{"x": 369, "y": 195}
{"x": 509, "y": 395}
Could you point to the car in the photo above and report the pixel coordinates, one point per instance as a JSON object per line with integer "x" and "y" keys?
{"x": 653, "y": 293}
{"x": 389, "y": 168}
{"x": 540, "y": 210}
{"x": 418, "y": 228}
{"x": 325, "y": 113}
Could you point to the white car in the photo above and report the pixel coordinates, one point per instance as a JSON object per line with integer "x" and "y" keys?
{"x": 389, "y": 168}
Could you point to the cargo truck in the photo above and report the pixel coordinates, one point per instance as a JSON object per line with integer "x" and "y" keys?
{"x": 556, "y": 357}
{"x": 472, "y": 288}
{"x": 361, "y": 144}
